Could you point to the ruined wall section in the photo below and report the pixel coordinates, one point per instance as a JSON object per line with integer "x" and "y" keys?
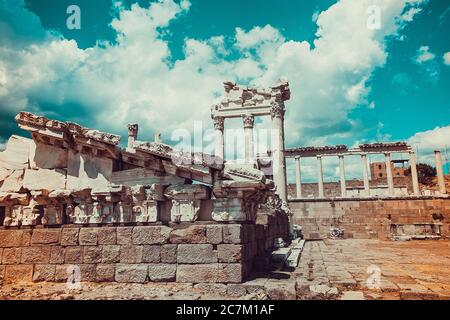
{"x": 374, "y": 218}
{"x": 191, "y": 253}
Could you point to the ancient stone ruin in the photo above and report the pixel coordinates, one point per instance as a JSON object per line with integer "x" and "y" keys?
{"x": 71, "y": 197}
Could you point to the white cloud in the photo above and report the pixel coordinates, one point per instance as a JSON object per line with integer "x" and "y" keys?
{"x": 446, "y": 58}
{"x": 424, "y": 55}
{"x": 137, "y": 80}
{"x": 427, "y": 141}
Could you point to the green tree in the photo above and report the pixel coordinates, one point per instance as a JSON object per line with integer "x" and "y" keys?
{"x": 425, "y": 173}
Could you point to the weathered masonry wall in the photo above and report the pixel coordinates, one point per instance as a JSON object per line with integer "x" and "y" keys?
{"x": 374, "y": 218}
{"x": 192, "y": 253}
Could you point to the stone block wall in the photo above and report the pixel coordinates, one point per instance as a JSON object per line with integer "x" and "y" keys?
{"x": 189, "y": 252}
{"x": 372, "y": 218}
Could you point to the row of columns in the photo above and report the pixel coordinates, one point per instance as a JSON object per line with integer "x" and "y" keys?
{"x": 365, "y": 171}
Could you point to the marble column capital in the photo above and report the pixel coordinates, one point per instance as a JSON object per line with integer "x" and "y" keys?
{"x": 248, "y": 120}
{"x": 277, "y": 110}
{"x": 219, "y": 123}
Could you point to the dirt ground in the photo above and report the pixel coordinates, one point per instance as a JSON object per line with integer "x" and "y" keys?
{"x": 338, "y": 269}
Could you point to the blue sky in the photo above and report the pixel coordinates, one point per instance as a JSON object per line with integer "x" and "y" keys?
{"x": 161, "y": 64}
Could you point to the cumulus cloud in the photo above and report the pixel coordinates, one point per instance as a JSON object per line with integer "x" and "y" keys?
{"x": 427, "y": 141}
{"x": 137, "y": 80}
{"x": 424, "y": 55}
{"x": 427, "y": 61}
{"x": 446, "y": 58}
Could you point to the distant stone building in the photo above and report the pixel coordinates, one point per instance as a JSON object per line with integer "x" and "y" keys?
{"x": 378, "y": 169}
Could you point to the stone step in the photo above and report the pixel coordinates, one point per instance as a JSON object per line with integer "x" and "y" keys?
{"x": 296, "y": 251}
{"x": 281, "y": 254}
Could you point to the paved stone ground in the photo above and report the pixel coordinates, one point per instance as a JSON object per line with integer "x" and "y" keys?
{"x": 408, "y": 270}
{"x": 327, "y": 270}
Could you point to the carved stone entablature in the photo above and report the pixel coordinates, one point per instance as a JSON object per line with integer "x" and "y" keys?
{"x": 248, "y": 120}
{"x": 236, "y": 208}
{"x": 239, "y": 172}
{"x": 385, "y": 146}
{"x": 185, "y": 210}
{"x": 240, "y": 100}
{"x": 219, "y": 123}
{"x": 186, "y": 201}
{"x": 44, "y": 126}
{"x": 188, "y": 191}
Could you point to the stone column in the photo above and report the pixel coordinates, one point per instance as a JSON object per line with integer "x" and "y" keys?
{"x": 320, "y": 176}
{"x": 365, "y": 174}
{"x": 249, "y": 121}
{"x": 219, "y": 139}
{"x": 132, "y": 134}
{"x": 390, "y": 179}
{"x": 415, "y": 179}
{"x": 440, "y": 172}
{"x": 278, "y": 160}
{"x": 342, "y": 176}
{"x": 298, "y": 183}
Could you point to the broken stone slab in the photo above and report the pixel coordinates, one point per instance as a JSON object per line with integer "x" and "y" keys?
{"x": 15, "y": 156}
{"x": 14, "y": 182}
{"x": 281, "y": 254}
{"x": 188, "y": 191}
{"x": 234, "y": 171}
{"x": 86, "y": 171}
{"x": 44, "y": 179}
{"x": 44, "y": 156}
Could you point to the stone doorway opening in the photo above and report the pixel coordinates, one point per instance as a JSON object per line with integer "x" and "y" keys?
{"x": 2, "y": 215}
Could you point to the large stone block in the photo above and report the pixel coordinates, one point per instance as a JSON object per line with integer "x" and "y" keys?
{"x": 131, "y": 253}
{"x": 151, "y": 254}
{"x": 162, "y": 272}
{"x": 230, "y": 252}
{"x": 230, "y": 273}
{"x": 57, "y": 255}
{"x": 214, "y": 234}
{"x": 44, "y": 272}
{"x": 11, "y": 238}
{"x": 169, "y": 253}
{"x": 11, "y": 255}
{"x": 16, "y": 154}
{"x": 69, "y": 236}
{"x": 199, "y": 273}
{"x": 92, "y": 254}
{"x": 107, "y": 235}
{"x": 18, "y": 274}
{"x": 124, "y": 235}
{"x": 46, "y": 236}
{"x": 150, "y": 234}
{"x": 44, "y": 179}
{"x": 88, "y": 236}
{"x": 105, "y": 272}
{"x": 73, "y": 255}
{"x": 111, "y": 254}
{"x": 131, "y": 273}
{"x": 196, "y": 253}
{"x": 88, "y": 272}
{"x": 233, "y": 233}
{"x": 35, "y": 255}
{"x": 191, "y": 234}
{"x": 45, "y": 156}
{"x": 85, "y": 171}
